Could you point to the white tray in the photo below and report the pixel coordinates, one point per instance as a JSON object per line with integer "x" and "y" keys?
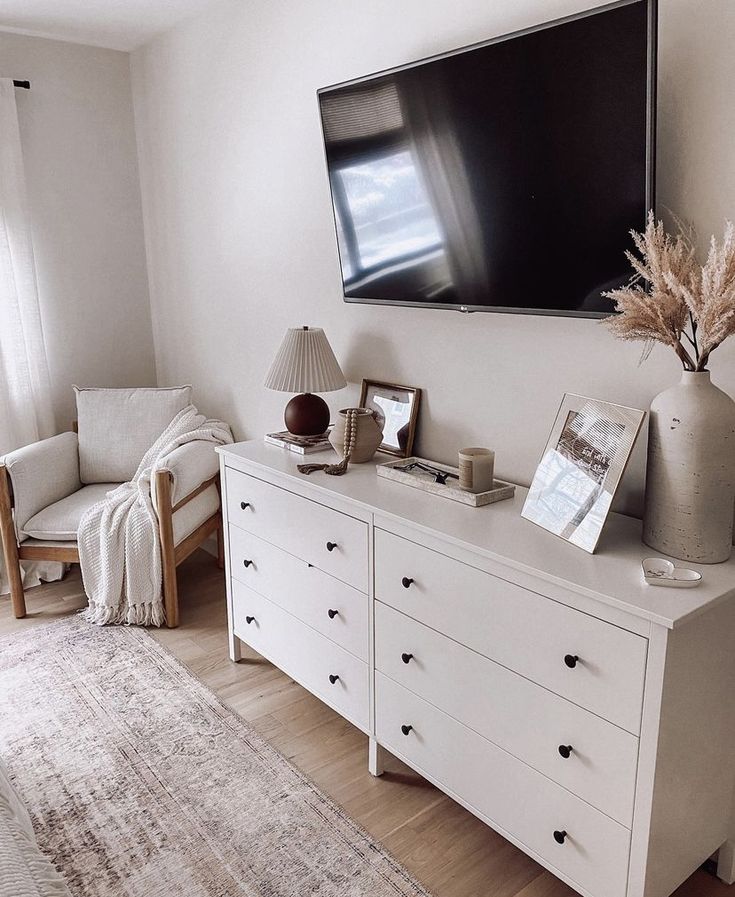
{"x": 419, "y": 479}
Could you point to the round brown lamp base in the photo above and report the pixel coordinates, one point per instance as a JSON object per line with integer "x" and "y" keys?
{"x": 307, "y": 415}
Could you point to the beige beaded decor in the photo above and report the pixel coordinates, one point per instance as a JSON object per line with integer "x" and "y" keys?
{"x": 357, "y": 434}
{"x": 337, "y": 470}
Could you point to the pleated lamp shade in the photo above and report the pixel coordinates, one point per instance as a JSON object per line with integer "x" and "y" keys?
{"x": 305, "y": 363}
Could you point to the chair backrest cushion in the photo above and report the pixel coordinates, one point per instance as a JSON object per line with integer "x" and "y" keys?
{"x": 116, "y": 428}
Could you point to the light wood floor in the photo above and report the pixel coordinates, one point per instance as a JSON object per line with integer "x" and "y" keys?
{"x": 445, "y": 847}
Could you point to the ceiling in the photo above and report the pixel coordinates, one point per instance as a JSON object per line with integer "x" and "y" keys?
{"x": 117, "y": 24}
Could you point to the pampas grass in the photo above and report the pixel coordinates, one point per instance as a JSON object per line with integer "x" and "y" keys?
{"x": 670, "y": 299}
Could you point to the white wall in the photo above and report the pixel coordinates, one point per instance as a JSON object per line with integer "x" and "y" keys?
{"x": 78, "y": 137}
{"x": 240, "y": 237}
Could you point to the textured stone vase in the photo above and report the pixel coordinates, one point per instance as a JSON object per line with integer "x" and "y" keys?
{"x": 690, "y": 480}
{"x": 367, "y": 439}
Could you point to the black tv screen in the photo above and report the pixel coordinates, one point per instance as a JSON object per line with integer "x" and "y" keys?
{"x": 502, "y": 177}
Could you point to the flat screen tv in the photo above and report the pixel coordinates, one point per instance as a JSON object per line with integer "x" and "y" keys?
{"x": 501, "y": 177}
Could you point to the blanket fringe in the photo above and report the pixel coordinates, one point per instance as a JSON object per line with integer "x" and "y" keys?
{"x": 147, "y": 614}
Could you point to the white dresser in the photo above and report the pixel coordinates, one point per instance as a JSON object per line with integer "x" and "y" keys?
{"x": 585, "y": 716}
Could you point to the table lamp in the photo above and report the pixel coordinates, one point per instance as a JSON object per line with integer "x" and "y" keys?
{"x": 305, "y": 364}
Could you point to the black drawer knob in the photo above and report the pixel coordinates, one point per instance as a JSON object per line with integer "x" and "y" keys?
{"x": 244, "y": 505}
{"x": 249, "y": 620}
{"x": 406, "y": 582}
{"x": 333, "y": 678}
{"x": 565, "y": 750}
{"x": 331, "y": 546}
{"x": 406, "y": 657}
{"x": 247, "y": 563}
{"x": 406, "y": 729}
{"x": 560, "y": 837}
{"x": 332, "y": 613}
{"x": 571, "y": 660}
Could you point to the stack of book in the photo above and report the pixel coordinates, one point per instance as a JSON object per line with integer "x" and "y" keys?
{"x": 302, "y": 445}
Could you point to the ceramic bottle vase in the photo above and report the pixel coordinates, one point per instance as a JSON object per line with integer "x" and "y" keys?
{"x": 690, "y": 480}
{"x": 368, "y": 435}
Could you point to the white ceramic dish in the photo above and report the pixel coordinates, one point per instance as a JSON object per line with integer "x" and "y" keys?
{"x": 660, "y": 572}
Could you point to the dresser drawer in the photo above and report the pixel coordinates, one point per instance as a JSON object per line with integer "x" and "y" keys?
{"x": 331, "y": 541}
{"x": 523, "y": 718}
{"x": 327, "y": 604}
{"x": 519, "y": 629}
{"x": 304, "y": 654}
{"x": 516, "y": 799}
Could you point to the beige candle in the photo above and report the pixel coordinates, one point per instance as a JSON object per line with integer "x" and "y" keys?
{"x": 476, "y": 469}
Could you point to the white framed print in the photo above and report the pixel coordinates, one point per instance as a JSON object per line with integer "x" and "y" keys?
{"x": 581, "y": 468}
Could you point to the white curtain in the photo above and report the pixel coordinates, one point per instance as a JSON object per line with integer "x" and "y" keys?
{"x": 25, "y": 394}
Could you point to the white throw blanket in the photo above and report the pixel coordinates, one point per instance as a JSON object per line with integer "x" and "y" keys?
{"x": 24, "y": 870}
{"x": 119, "y": 548}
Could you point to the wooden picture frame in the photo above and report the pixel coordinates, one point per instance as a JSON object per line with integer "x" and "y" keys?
{"x": 385, "y": 400}
{"x": 581, "y": 468}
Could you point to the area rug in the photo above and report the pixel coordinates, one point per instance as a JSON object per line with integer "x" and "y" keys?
{"x": 141, "y": 783}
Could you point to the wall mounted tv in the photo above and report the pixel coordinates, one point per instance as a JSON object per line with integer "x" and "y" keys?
{"x": 500, "y": 177}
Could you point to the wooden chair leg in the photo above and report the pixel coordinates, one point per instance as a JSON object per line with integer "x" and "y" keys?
{"x": 168, "y": 551}
{"x": 220, "y": 547}
{"x": 10, "y": 546}
{"x": 171, "y": 598}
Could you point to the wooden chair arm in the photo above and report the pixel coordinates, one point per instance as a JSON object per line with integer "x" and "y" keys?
{"x": 6, "y": 500}
{"x": 163, "y": 482}
{"x": 10, "y": 544}
{"x": 6, "y": 486}
{"x": 171, "y": 554}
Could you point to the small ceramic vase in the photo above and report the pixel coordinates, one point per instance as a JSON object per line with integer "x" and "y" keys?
{"x": 368, "y": 435}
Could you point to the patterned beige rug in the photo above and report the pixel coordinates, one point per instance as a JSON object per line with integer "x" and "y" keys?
{"x": 141, "y": 783}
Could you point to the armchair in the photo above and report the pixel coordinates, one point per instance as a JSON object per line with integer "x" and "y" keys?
{"x": 43, "y": 498}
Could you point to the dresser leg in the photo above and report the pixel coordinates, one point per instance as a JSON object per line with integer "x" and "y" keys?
{"x": 726, "y": 862}
{"x": 235, "y": 648}
{"x": 375, "y": 758}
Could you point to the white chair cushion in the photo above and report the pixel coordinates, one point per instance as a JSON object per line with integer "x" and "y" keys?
{"x": 59, "y": 522}
{"x": 194, "y": 513}
{"x": 117, "y": 427}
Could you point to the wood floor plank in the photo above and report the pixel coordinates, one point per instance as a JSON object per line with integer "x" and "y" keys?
{"x": 451, "y": 852}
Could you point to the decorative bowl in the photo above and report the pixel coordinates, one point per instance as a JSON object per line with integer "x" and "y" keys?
{"x": 660, "y": 572}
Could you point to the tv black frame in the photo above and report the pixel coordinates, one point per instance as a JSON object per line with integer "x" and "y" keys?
{"x": 651, "y": 91}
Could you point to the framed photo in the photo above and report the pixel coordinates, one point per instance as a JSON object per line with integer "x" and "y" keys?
{"x": 581, "y": 468}
{"x": 396, "y": 410}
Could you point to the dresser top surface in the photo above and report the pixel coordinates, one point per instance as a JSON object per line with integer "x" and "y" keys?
{"x": 612, "y": 575}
